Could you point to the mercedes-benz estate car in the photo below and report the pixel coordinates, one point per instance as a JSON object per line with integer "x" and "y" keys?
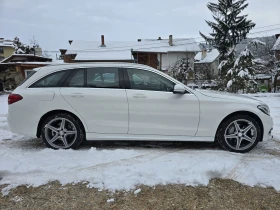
{"x": 68, "y": 104}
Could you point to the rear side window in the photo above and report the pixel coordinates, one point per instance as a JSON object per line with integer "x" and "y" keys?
{"x": 51, "y": 80}
{"x": 76, "y": 79}
{"x": 106, "y": 77}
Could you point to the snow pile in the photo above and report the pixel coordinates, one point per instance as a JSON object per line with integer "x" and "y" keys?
{"x": 27, "y": 161}
{"x": 110, "y": 200}
{"x": 137, "y": 191}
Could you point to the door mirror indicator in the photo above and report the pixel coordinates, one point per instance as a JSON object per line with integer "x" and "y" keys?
{"x": 179, "y": 89}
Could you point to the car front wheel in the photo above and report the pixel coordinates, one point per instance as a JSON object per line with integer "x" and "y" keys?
{"x": 239, "y": 133}
{"x": 62, "y": 131}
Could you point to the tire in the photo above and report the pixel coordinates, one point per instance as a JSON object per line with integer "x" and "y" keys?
{"x": 240, "y": 134}
{"x": 62, "y": 131}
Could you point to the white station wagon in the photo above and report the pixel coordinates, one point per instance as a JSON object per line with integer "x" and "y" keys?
{"x": 67, "y": 104}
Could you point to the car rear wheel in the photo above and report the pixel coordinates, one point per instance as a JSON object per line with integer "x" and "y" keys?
{"x": 62, "y": 131}
{"x": 239, "y": 133}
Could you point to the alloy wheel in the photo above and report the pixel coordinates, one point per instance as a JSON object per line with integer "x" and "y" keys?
{"x": 60, "y": 133}
{"x": 240, "y": 134}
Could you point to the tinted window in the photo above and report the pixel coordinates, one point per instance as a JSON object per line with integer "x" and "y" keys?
{"x": 146, "y": 80}
{"x": 103, "y": 77}
{"x": 77, "y": 79}
{"x": 51, "y": 80}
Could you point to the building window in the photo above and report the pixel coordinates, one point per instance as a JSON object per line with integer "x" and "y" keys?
{"x": 262, "y": 81}
{"x": 1, "y": 50}
{"x": 28, "y": 73}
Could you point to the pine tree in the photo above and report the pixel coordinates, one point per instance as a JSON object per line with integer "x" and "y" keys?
{"x": 21, "y": 48}
{"x": 229, "y": 29}
{"x": 238, "y": 77}
{"x": 244, "y": 68}
{"x": 181, "y": 70}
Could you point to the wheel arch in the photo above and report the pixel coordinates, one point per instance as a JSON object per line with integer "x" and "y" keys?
{"x": 38, "y": 133}
{"x": 251, "y": 114}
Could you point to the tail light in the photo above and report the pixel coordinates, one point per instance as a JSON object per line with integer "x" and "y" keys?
{"x": 13, "y": 98}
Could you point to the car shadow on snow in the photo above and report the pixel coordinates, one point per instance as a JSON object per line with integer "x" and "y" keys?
{"x": 149, "y": 144}
{"x": 37, "y": 144}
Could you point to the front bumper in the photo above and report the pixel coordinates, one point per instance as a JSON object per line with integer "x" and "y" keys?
{"x": 267, "y": 127}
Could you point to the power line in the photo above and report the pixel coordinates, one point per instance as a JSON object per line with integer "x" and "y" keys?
{"x": 267, "y": 26}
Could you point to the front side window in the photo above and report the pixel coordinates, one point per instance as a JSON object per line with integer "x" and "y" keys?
{"x": 51, "y": 80}
{"x": 146, "y": 80}
{"x": 107, "y": 77}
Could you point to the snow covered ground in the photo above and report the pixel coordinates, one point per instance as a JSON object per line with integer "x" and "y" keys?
{"x": 124, "y": 166}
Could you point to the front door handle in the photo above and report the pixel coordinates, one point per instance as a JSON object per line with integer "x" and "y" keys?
{"x": 139, "y": 96}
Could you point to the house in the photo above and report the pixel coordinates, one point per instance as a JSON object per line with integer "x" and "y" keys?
{"x": 6, "y": 48}
{"x": 17, "y": 67}
{"x": 263, "y": 81}
{"x": 276, "y": 47}
{"x": 157, "y": 53}
{"x": 207, "y": 62}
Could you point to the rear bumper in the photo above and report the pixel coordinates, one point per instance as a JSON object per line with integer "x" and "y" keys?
{"x": 22, "y": 121}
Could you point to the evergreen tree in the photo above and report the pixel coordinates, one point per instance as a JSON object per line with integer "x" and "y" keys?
{"x": 181, "y": 70}
{"x": 238, "y": 77}
{"x": 21, "y": 48}
{"x": 229, "y": 29}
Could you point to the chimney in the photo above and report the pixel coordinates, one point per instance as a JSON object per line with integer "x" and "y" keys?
{"x": 70, "y": 41}
{"x": 159, "y": 38}
{"x": 170, "y": 40}
{"x": 203, "y": 54}
{"x": 102, "y": 41}
{"x": 62, "y": 51}
{"x": 139, "y": 40}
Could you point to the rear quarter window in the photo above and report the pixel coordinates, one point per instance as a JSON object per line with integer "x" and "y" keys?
{"x": 51, "y": 80}
{"x": 29, "y": 75}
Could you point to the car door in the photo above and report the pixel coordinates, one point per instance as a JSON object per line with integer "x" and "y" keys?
{"x": 155, "y": 110}
{"x": 96, "y": 94}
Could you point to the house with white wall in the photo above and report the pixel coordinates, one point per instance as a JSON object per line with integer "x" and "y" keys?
{"x": 157, "y": 53}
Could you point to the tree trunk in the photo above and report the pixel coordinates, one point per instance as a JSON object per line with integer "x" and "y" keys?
{"x": 275, "y": 83}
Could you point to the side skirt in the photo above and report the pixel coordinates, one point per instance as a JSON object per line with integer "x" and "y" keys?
{"x": 131, "y": 137}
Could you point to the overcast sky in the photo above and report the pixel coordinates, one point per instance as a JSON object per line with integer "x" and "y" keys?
{"x": 54, "y": 22}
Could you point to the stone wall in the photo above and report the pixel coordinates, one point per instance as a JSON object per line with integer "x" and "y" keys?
{"x": 10, "y": 78}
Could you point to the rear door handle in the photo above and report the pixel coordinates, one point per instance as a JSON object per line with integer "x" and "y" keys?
{"x": 139, "y": 96}
{"x": 77, "y": 95}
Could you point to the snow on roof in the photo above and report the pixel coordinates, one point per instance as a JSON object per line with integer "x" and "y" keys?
{"x": 6, "y": 43}
{"x": 22, "y": 55}
{"x": 277, "y": 44}
{"x": 211, "y": 56}
{"x": 121, "y": 50}
{"x": 262, "y": 76}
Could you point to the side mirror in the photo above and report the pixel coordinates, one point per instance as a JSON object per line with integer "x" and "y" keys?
{"x": 179, "y": 89}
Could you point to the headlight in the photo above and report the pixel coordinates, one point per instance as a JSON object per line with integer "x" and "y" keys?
{"x": 264, "y": 109}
